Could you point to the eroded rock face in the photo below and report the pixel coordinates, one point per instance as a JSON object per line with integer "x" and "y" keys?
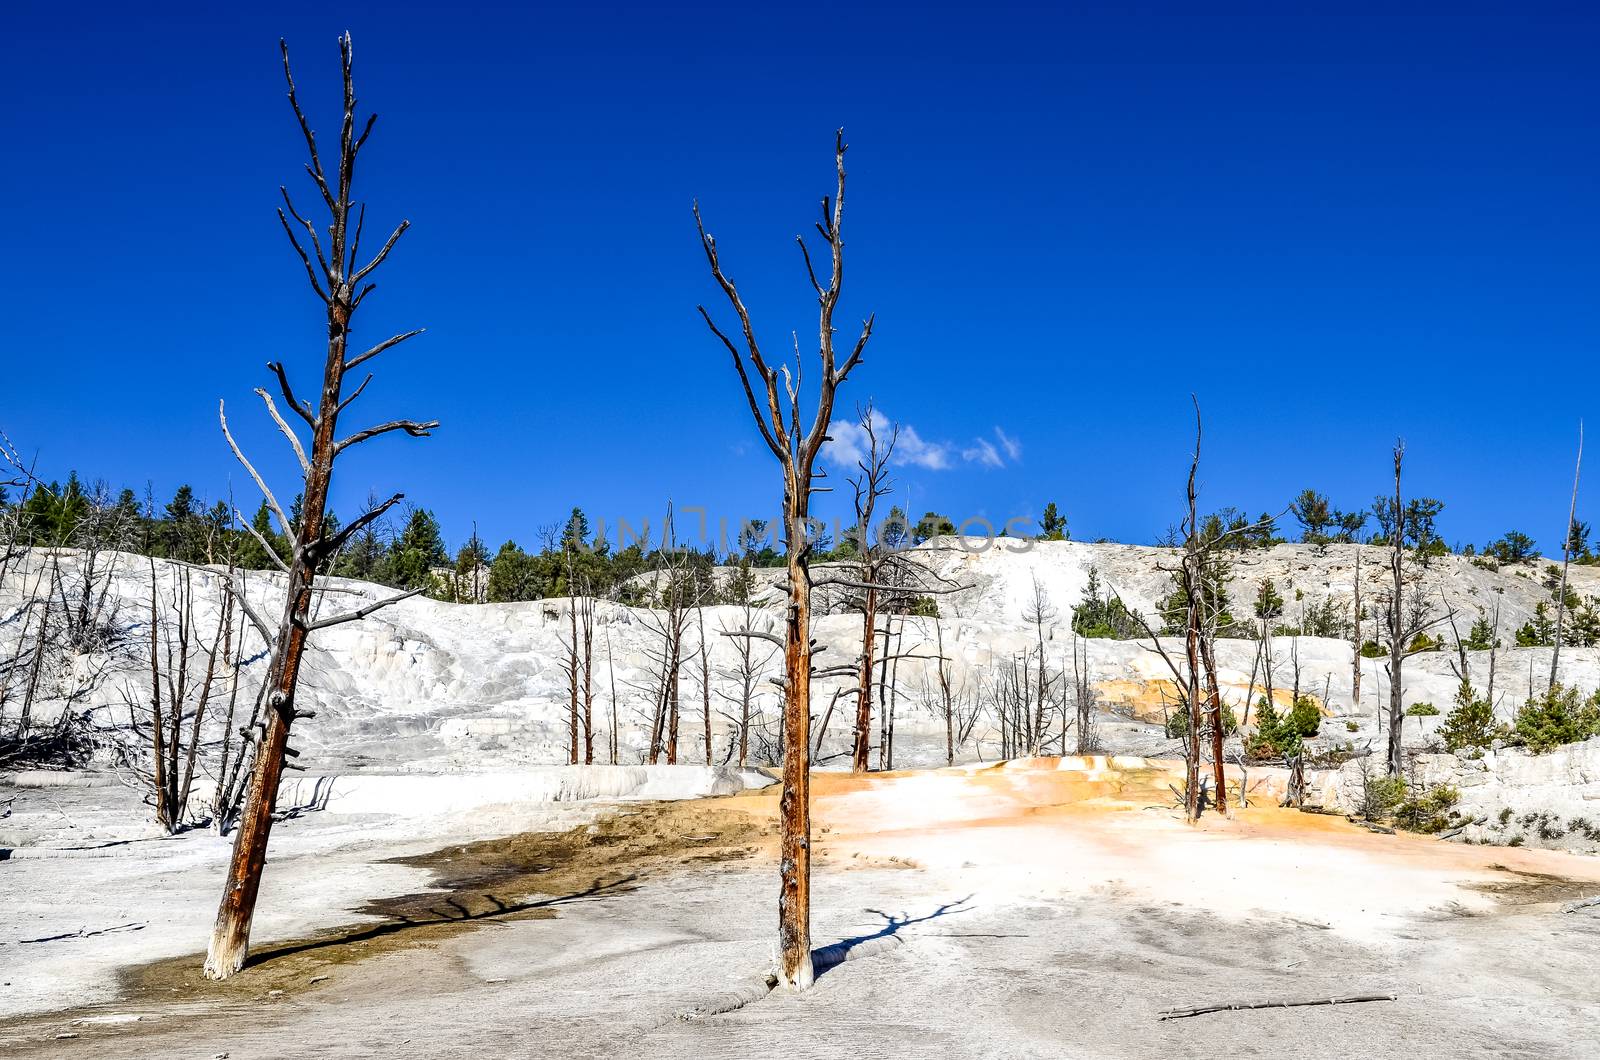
{"x": 425, "y": 685}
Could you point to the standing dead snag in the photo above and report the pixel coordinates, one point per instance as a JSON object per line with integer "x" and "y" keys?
{"x": 1566, "y": 559}
{"x": 796, "y": 454}
{"x": 338, "y": 281}
{"x": 871, "y": 485}
{"x": 1406, "y": 618}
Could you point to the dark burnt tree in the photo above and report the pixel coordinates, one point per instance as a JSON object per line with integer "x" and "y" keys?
{"x": 795, "y": 445}
{"x": 341, "y": 284}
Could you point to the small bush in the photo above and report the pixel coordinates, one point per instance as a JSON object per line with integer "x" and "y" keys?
{"x": 1505, "y": 815}
{"x": 1279, "y": 736}
{"x": 1470, "y": 723}
{"x": 1351, "y": 726}
{"x": 1380, "y": 795}
{"x": 1582, "y": 826}
{"x": 1178, "y": 723}
{"x": 1430, "y": 811}
{"x": 1556, "y": 717}
{"x": 1422, "y": 710}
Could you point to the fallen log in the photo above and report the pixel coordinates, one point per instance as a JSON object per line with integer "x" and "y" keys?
{"x": 1238, "y": 1006}
{"x": 1582, "y": 903}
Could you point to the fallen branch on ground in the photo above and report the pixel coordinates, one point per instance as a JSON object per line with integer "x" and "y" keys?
{"x": 1238, "y": 1006}
{"x": 83, "y": 933}
{"x": 1582, "y": 903}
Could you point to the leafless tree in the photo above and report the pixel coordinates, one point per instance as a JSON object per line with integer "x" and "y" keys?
{"x": 675, "y": 593}
{"x": 341, "y": 284}
{"x": 188, "y": 671}
{"x": 1083, "y": 699}
{"x": 752, "y": 657}
{"x": 1355, "y": 662}
{"x": 795, "y": 448}
{"x": 1041, "y": 614}
{"x": 870, "y": 485}
{"x": 1199, "y": 694}
{"x": 1408, "y": 617}
{"x": 1566, "y": 558}
{"x": 579, "y": 646}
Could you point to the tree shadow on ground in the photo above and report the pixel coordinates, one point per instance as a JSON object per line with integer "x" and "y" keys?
{"x": 826, "y": 958}
{"x": 448, "y": 910}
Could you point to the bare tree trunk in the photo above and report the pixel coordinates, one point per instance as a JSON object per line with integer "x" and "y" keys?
{"x": 1566, "y": 559}
{"x": 869, "y": 638}
{"x": 572, "y": 667}
{"x": 1397, "y": 646}
{"x": 1355, "y": 663}
{"x": 611, "y": 667}
{"x": 1214, "y": 695}
{"x": 796, "y": 455}
{"x": 705, "y": 680}
{"x": 341, "y": 296}
{"x": 588, "y": 679}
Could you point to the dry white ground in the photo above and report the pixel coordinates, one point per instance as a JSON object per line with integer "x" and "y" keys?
{"x": 1042, "y": 909}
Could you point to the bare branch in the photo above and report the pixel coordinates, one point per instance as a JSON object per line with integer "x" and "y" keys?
{"x": 315, "y": 167}
{"x": 294, "y": 442}
{"x": 353, "y": 616}
{"x": 302, "y": 408}
{"x": 380, "y": 347}
{"x": 388, "y": 245}
{"x": 355, "y": 393}
{"x": 271, "y": 552}
{"x": 272, "y": 502}
{"x": 411, "y": 427}
{"x": 311, "y": 272}
{"x": 361, "y": 521}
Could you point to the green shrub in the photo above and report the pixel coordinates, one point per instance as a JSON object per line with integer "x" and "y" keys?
{"x": 1430, "y": 811}
{"x": 1351, "y": 726}
{"x": 1422, "y": 710}
{"x": 1470, "y": 723}
{"x": 1304, "y": 719}
{"x": 1556, "y": 717}
{"x": 1177, "y": 723}
{"x": 1373, "y": 650}
{"x": 1380, "y": 794}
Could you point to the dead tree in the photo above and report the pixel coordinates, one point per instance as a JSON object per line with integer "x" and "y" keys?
{"x": 1039, "y": 613}
{"x": 795, "y": 448}
{"x": 1198, "y": 579}
{"x": 340, "y": 284}
{"x": 675, "y": 593}
{"x": 1405, "y": 621}
{"x": 1566, "y": 559}
{"x": 186, "y": 674}
{"x": 580, "y": 666}
{"x": 870, "y": 486}
{"x": 749, "y": 667}
{"x": 705, "y": 678}
{"x": 1355, "y": 663}
{"x": 1083, "y": 699}
{"x": 611, "y": 668}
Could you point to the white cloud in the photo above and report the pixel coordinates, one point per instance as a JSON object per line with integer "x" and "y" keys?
{"x": 982, "y": 451}
{"x": 910, "y": 448}
{"x": 1012, "y": 447}
{"x": 848, "y": 444}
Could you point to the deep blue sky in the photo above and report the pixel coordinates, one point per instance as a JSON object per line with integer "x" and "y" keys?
{"x": 1335, "y": 229}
